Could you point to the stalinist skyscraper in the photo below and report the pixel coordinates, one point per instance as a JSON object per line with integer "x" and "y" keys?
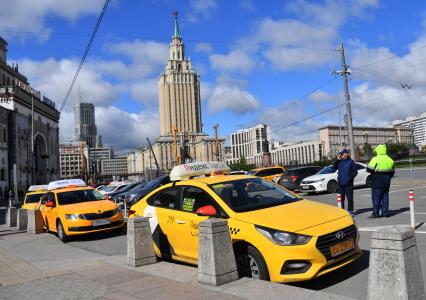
{"x": 181, "y": 129}
{"x": 179, "y": 91}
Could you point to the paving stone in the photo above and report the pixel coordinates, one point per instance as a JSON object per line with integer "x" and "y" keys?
{"x": 138, "y": 286}
{"x": 118, "y": 295}
{"x": 119, "y": 277}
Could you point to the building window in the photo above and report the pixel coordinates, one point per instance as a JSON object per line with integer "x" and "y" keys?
{"x": 2, "y": 175}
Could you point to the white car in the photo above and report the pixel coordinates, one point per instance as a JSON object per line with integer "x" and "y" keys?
{"x": 326, "y": 180}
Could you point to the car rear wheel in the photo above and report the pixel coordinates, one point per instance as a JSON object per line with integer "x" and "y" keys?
{"x": 332, "y": 186}
{"x": 61, "y": 232}
{"x": 250, "y": 263}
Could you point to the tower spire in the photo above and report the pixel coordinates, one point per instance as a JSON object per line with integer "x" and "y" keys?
{"x": 176, "y": 33}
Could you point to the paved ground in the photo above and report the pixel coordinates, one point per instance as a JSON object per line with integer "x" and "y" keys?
{"x": 41, "y": 267}
{"x": 350, "y": 281}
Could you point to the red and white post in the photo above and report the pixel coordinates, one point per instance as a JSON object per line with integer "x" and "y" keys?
{"x": 339, "y": 201}
{"x": 412, "y": 217}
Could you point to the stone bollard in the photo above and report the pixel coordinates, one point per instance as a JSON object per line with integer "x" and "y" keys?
{"x": 11, "y": 216}
{"x": 2, "y": 215}
{"x": 22, "y": 219}
{"x": 35, "y": 222}
{"x": 140, "y": 248}
{"x": 395, "y": 271}
{"x": 216, "y": 259}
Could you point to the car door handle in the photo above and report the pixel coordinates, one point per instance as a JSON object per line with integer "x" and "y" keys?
{"x": 180, "y": 222}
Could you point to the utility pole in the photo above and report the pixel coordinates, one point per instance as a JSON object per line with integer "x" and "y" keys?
{"x": 345, "y": 70}
{"x": 216, "y": 141}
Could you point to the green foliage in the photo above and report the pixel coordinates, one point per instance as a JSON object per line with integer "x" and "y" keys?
{"x": 241, "y": 165}
{"x": 366, "y": 152}
{"x": 398, "y": 150}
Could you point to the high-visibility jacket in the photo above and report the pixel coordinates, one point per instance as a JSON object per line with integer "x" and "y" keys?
{"x": 382, "y": 168}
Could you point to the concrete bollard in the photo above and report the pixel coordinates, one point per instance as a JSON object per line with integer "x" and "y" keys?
{"x": 2, "y": 215}
{"x": 395, "y": 271}
{"x": 34, "y": 222}
{"x": 216, "y": 259}
{"x": 11, "y": 216}
{"x": 22, "y": 219}
{"x": 140, "y": 248}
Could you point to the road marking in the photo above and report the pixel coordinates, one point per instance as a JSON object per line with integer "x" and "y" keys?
{"x": 417, "y": 213}
{"x": 373, "y": 229}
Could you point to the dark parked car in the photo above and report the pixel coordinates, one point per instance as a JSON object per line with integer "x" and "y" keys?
{"x": 136, "y": 194}
{"x": 293, "y": 177}
{"x": 116, "y": 196}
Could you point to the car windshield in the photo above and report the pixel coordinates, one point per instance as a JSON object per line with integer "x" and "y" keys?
{"x": 138, "y": 187}
{"x": 327, "y": 170}
{"x": 33, "y": 198}
{"x": 153, "y": 183}
{"x": 72, "y": 197}
{"x": 252, "y": 194}
{"x": 109, "y": 188}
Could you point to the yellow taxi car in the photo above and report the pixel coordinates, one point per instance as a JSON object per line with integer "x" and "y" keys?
{"x": 71, "y": 208}
{"x": 269, "y": 173}
{"x": 276, "y": 234}
{"x": 33, "y": 196}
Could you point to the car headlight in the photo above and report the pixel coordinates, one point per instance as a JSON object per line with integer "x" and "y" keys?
{"x": 71, "y": 216}
{"x": 283, "y": 238}
{"x": 132, "y": 196}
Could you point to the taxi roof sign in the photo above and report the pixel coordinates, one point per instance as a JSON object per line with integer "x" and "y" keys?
{"x": 200, "y": 168}
{"x": 59, "y": 184}
{"x": 37, "y": 188}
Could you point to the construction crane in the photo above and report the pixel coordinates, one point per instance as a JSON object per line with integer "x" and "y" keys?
{"x": 157, "y": 173}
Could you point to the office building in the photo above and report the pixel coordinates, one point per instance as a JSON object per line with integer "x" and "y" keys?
{"x": 251, "y": 143}
{"x": 418, "y": 124}
{"x": 29, "y": 131}
{"x": 73, "y": 158}
{"x": 114, "y": 167}
{"x": 85, "y": 126}
{"x": 334, "y": 138}
{"x": 300, "y": 153}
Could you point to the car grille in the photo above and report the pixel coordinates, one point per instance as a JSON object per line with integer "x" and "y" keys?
{"x": 325, "y": 241}
{"x": 102, "y": 215}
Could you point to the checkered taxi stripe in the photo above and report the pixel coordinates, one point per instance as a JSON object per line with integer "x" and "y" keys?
{"x": 234, "y": 230}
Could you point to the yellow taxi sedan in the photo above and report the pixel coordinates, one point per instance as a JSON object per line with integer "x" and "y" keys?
{"x": 269, "y": 173}
{"x": 276, "y": 235}
{"x": 33, "y": 196}
{"x": 71, "y": 208}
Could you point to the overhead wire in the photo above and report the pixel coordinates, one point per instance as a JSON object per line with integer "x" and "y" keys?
{"x": 86, "y": 52}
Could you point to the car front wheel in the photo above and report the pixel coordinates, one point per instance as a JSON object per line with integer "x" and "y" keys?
{"x": 61, "y": 232}
{"x": 332, "y": 186}
{"x": 250, "y": 263}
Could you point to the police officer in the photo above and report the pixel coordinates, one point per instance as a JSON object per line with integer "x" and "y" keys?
{"x": 382, "y": 169}
{"x": 345, "y": 179}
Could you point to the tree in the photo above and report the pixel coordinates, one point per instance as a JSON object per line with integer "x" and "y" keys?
{"x": 241, "y": 165}
{"x": 367, "y": 151}
{"x": 398, "y": 150}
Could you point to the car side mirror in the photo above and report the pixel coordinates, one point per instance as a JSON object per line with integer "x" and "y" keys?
{"x": 50, "y": 204}
{"x": 207, "y": 210}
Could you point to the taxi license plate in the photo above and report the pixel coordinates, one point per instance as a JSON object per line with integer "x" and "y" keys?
{"x": 305, "y": 187}
{"x": 101, "y": 222}
{"x": 342, "y": 247}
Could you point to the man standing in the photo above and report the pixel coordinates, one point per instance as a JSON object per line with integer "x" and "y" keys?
{"x": 382, "y": 169}
{"x": 345, "y": 179}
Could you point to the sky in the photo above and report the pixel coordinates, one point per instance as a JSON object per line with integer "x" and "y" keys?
{"x": 259, "y": 61}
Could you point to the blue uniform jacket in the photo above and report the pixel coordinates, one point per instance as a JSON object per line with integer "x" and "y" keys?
{"x": 347, "y": 171}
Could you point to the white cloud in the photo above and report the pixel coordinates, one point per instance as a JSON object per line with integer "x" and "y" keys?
{"x": 147, "y": 57}
{"x": 122, "y": 130}
{"x": 20, "y": 16}
{"x": 231, "y": 98}
{"x": 203, "y": 6}
{"x": 234, "y": 61}
{"x": 125, "y": 130}
{"x": 53, "y": 77}
{"x": 203, "y": 47}
{"x": 308, "y": 40}
{"x": 145, "y": 91}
